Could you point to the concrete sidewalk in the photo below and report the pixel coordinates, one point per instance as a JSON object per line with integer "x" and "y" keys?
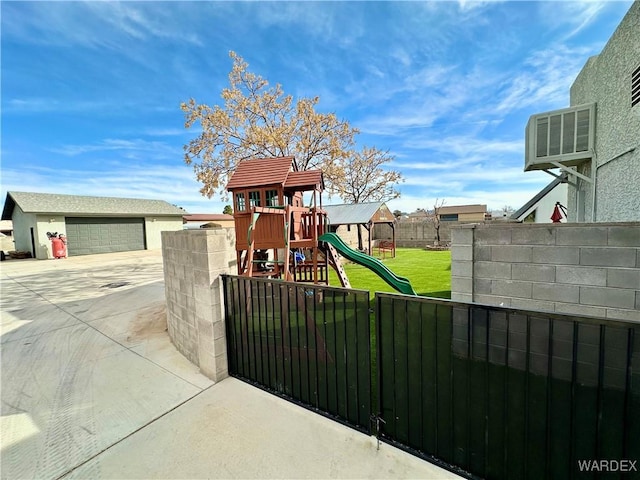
{"x": 93, "y": 388}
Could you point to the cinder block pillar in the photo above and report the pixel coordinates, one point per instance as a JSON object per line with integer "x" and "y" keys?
{"x": 462, "y": 244}
{"x": 193, "y": 261}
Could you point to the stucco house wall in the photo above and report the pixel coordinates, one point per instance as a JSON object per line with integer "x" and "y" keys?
{"x": 154, "y": 225}
{"x": 544, "y": 207}
{"x": 471, "y": 217}
{"x": 44, "y": 224}
{"x": 606, "y": 81}
{"x": 21, "y": 233}
{"x": 41, "y": 224}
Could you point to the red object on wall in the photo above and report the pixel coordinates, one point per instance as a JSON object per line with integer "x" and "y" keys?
{"x": 59, "y": 247}
{"x": 559, "y": 212}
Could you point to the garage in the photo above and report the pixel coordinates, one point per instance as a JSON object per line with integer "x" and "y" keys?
{"x": 92, "y": 225}
{"x": 86, "y": 235}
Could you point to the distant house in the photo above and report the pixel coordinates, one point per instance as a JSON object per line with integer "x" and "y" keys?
{"x": 91, "y": 224}
{"x": 463, "y": 213}
{"x": 202, "y": 220}
{"x": 596, "y": 140}
{"x": 6, "y": 236}
{"x": 540, "y": 208}
{"x": 6, "y": 227}
{"x": 344, "y": 220}
{"x": 416, "y": 217}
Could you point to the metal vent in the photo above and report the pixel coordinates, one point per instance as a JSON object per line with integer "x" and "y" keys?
{"x": 635, "y": 87}
{"x": 564, "y": 136}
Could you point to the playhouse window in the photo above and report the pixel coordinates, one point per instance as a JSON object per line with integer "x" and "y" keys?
{"x": 272, "y": 198}
{"x": 240, "y": 204}
{"x": 254, "y": 198}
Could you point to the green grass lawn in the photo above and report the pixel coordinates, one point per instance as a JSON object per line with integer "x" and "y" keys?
{"x": 428, "y": 271}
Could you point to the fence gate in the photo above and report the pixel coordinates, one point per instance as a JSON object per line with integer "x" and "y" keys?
{"x": 508, "y": 394}
{"x": 307, "y": 343}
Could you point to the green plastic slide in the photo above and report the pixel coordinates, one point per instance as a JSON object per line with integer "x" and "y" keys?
{"x": 401, "y": 284}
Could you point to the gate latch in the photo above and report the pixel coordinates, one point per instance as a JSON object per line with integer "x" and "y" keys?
{"x": 376, "y": 419}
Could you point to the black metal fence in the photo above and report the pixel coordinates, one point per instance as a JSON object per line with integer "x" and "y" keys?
{"x": 484, "y": 391}
{"x": 307, "y": 343}
{"x": 505, "y": 393}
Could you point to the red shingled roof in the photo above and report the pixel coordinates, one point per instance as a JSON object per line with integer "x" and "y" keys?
{"x": 260, "y": 172}
{"x": 306, "y": 180}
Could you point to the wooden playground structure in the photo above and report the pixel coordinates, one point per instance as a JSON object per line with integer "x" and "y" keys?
{"x": 276, "y": 235}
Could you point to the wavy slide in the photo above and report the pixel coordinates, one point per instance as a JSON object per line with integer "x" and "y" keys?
{"x": 401, "y": 284}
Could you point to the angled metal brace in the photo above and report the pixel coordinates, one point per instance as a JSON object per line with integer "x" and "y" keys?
{"x": 571, "y": 171}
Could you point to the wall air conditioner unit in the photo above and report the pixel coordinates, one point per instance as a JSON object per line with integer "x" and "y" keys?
{"x": 562, "y": 136}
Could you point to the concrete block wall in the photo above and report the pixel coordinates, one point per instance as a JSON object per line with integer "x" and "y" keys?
{"x": 417, "y": 234}
{"x": 349, "y": 234}
{"x": 522, "y": 342}
{"x": 193, "y": 261}
{"x": 582, "y": 269}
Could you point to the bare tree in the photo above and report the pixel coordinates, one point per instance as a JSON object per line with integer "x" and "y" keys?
{"x": 507, "y": 210}
{"x": 433, "y": 217}
{"x": 365, "y": 177}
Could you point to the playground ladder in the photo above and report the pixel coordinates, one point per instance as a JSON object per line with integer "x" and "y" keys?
{"x": 334, "y": 259}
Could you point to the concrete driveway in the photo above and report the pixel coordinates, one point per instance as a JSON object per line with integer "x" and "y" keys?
{"x": 93, "y": 388}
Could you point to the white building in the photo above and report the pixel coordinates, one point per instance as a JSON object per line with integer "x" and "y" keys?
{"x": 540, "y": 208}
{"x": 91, "y": 224}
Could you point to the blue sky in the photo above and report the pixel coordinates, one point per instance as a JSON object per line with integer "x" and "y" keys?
{"x": 91, "y": 90}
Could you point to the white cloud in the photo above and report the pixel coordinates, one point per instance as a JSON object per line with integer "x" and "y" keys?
{"x": 473, "y": 175}
{"x": 465, "y": 145}
{"x": 153, "y": 149}
{"x": 415, "y": 112}
{"x": 571, "y": 17}
{"x": 166, "y": 132}
{"x": 93, "y": 24}
{"x": 468, "y": 5}
{"x": 48, "y": 105}
{"x": 340, "y": 26}
{"x": 494, "y": 198}
{"x": 545, "y": 79}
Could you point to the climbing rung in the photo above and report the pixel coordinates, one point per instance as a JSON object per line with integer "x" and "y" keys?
{"x": 337, "y": 264}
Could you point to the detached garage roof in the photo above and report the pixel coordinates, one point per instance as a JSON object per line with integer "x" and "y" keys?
{"x": 76, "y": 205}
{"x": 350, "y": 214}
